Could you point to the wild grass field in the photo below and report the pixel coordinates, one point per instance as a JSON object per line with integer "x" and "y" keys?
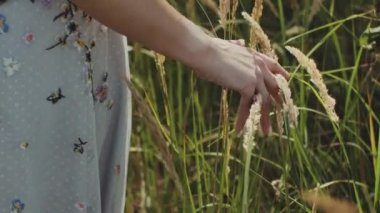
{"x": 185, "y": 156}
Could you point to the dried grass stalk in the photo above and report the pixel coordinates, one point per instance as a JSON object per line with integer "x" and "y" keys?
{"x": 288, "y": 105}
{"x": 159, "y": 138}
{"x": 160, "y": 60}
{"x": 224, "y": 9}
{"x": 258, "y": 37}
{"x": 258, "y": 34}
{"x": 235, "y": 4}
{"x": 257, "y": 10}
{"x": 329, "y": 204}
{"x": 252, "y": 125}
{"x": 316, "y": 78}
{"x": 280, "y": 120}
{"x": 256, "y": 14}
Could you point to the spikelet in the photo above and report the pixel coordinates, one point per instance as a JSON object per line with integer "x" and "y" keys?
{"x": 160, "y": 59}
{"x": 262, "y": 38}
{"x": 316, "y": 78}
{"x": 257, "y": 10}
{"x": 252, "y": 125}
{"x": 329, "y": 204}
{"x": 224, "y": 9}
{"x": 153, "y": 125}
{"x": 235, "y": 4}
{"x": 256, "y": 14}
{"x": 280, "y": 120}
{"x": 288, "y": 105}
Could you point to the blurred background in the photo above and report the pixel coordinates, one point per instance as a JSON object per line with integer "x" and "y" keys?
{"x": 185, "y": 156}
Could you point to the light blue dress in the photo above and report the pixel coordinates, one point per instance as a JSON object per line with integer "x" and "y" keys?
{"x": 65, "y": 111}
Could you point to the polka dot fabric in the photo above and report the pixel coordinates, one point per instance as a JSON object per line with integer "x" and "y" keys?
{"x": 65, "y": 111}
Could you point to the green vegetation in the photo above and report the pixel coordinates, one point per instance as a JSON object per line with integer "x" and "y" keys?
{"x": 192, "y": 161}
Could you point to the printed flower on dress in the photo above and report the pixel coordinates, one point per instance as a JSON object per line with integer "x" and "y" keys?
{"x": 80, "y": 44}
{"x": 3, "y": 25}
{"x": 24, "y": 145}
{"x": 117, "y": 169}
{"x": 81, "y": 205}
{"x": 101, "y": 92}
{"x": 79, "y": 147}
{"x": 72, "y": 35}
{"x": 11, "y": 66}
{"x": 55, "y": 96}
{"x": 109, "y": 104}
{"x": 17, "y": 206}
{"x": 71, "y": 27}
{"x": 28, "y": 38}
{"x": 68, "y": 11}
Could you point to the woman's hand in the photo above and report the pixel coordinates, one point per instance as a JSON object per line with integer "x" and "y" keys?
{"x": 231, "y": 65}
{"x": 159, "y": 26}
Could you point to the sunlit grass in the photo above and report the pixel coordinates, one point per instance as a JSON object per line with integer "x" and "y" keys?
{"x": 196, "y": 119}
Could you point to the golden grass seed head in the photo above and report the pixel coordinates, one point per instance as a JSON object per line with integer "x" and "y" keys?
{"x": 252, "y": 125}
{"x": 224, "y": 9}
{"x": 316, "y": 78}
{"x": 258, "y": 37}
{"x": 288, "y": 104}
{"x": 257, "y": 10}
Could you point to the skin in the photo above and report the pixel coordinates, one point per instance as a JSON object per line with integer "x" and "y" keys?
{"x": 157, "y": 25}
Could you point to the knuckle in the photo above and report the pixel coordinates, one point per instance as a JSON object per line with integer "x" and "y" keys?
{"x": 259, "y": 74}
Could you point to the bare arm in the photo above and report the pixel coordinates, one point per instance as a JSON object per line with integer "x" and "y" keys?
{"x": 160, "y": 27}
{"x": 153, "y": 23}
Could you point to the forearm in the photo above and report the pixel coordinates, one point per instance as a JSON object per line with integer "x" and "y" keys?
{"x": 154, "y": 23}
{"x": 160, "y": 27}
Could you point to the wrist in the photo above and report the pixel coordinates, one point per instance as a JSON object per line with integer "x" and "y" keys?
{"x": 196, "y": 46}
{"x": 202, "y": 59}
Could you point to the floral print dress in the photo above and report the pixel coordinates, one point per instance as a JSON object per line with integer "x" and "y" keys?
{"x": 65, "y": 110}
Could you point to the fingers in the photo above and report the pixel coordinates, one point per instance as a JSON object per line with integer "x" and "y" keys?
{"x": 265, "y": 84}
{"x": 243, "y": 113}
{"x": 273, "y": 65}
{"x": 244, "y": 110}
{"x": 272, "y": 86}
{"x": 265, "y": 108}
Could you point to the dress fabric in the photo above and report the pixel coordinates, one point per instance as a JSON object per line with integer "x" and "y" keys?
{"x": 65, "y": 110}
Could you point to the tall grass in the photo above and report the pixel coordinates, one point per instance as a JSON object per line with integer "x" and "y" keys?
{"x": 190, "y": 122}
